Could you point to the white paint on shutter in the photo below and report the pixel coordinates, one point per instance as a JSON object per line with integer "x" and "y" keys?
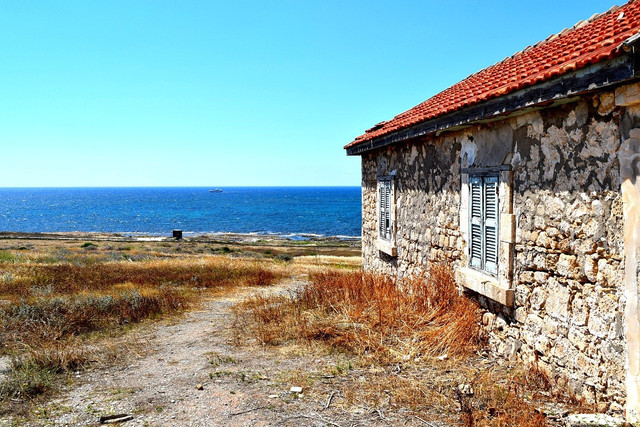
{"x": 483, "y": 223}
{"x": 381, "y": 207}
{"x": 384, "y": 187}
{"x": 387, "y": 210}
{"x": 476, "y": 221}
{"x": 491, "y": 224}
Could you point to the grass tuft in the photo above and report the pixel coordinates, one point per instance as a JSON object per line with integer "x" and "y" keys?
{"x": 26, "y": 380}
{"x": 6, "y": 256}
{"x": 371, "y": 315}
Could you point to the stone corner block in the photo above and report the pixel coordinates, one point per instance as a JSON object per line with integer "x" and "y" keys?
{"x": 628, "y": 95}
{"x": 508, "y": 228}
{"x": 464, "y": 221}
{"x": 634, "y": 133}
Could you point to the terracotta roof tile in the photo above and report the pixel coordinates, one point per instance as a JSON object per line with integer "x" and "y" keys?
{"x": 587, "y": 42}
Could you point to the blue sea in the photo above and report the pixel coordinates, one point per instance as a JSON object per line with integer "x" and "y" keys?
{"x": 294, "y": 212}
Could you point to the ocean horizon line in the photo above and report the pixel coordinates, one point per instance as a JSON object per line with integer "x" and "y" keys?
{"x": 187, "y": 233}
{"x": 327, "y": 211}
{"x": 181, "y": 186}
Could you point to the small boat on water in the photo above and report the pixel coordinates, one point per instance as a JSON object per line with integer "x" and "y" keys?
{"x": 216, "y": 190}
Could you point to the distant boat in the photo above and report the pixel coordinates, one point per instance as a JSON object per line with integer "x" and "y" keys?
{"x": 217, "y": 190}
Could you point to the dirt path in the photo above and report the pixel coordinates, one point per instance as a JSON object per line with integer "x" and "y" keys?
{"x": 240, "y": 386}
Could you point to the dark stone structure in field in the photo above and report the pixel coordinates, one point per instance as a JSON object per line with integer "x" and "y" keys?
{"x": 526, "y": 177}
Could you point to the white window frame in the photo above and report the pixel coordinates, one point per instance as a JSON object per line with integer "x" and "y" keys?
{"x": 386, "y": 215}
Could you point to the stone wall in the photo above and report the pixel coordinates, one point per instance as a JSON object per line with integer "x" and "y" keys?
{"x": 427, "y": 197}
{"x": 566, "y": 262}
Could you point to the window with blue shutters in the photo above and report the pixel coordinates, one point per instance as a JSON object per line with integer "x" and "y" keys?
{"x": 386, "y": 212}
{"x": 385, "y": 199}
{"x": 483, "y": 222}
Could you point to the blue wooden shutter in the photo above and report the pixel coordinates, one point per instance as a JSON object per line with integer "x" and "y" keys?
{"x": 381, "y": 202}
{"x": 385, "y": 208}
{"x": 387, "y": 223}
{"x": 491, "y": 224}
{"x": 476, "y": 221}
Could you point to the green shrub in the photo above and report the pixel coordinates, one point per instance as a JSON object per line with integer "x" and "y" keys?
{"x": 6, "y": 256}
{"x": 221, "y": 250}
{"x": 26, "y": 380}
{"x": 284, "y": 257}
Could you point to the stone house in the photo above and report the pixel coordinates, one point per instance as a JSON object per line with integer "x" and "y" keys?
{"x": 525, "y": 176}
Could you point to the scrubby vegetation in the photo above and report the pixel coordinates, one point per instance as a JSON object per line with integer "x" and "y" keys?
{"x": 372, "y": 316}
{"x": 409, "y": 347}
{"x": 54, "y": 306}
{"x": 416, "y": 342}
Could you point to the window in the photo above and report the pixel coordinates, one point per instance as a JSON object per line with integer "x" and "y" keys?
{"x": 488, "y": 227}
{"x": 384, "y": 218}
{"x": 483, "y": 223}
{"x": 386, "y": 226}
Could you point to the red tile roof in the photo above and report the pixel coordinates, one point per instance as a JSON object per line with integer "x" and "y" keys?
{"x": 588, "y": 42}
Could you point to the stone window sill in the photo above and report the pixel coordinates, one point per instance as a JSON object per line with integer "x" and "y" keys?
{"x": 386, "y": 246}
{"x": 486, "y": 285}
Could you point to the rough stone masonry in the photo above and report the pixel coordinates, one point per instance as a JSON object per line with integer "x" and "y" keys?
{"x": 566, "y": 291}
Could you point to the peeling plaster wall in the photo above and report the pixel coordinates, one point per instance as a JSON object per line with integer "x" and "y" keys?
{"x": 569, "y": 250}
{"x": 427, "y": 192}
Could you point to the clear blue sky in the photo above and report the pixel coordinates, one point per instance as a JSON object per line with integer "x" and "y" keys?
{"x": 219, "y": 93}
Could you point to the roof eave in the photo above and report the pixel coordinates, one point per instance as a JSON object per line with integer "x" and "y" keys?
{"x": 588, "y": 79}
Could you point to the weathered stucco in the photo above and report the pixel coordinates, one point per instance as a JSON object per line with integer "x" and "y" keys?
{"x": 563, "y": 204}
{"x": 427, "y": 191}
{"x": 630, "y": 174}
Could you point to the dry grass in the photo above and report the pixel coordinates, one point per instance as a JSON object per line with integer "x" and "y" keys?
{"x": 321, "y": 263}
{"x": 52, "y": 305}
{"x": 417, "y": 345}
{"x": 500, "y": 401}
{"x": 65, "y": 307}
{"x": 371, "y": 316}
{"x": 24, "y": 280}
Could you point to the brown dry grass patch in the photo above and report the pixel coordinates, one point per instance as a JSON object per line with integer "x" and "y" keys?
{"x": 370, "y": 315}
{"x": 417, "y": 345}
{"x": 53, "y": 310}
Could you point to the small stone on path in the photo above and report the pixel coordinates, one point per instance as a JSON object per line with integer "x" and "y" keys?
{"x": 114, "y": 419}
{"x": 5, "y": 364}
